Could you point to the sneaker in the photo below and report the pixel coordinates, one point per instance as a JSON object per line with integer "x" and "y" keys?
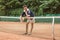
{"x": 25, "y": 33}
{"x": 29, "y": 34}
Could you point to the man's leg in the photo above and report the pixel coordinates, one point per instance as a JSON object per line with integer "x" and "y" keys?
{"x": 32, "y": 24}
{"x": 28, "y": 21}
{"x": 27, "y": 28}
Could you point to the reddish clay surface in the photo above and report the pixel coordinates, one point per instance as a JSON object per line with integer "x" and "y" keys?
{"x": 15, "y": 31}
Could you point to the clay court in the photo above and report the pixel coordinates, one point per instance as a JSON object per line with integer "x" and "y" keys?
{"x": 15, "y": 31}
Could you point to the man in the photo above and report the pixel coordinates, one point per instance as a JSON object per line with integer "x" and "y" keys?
{"x": 29, "y": 16}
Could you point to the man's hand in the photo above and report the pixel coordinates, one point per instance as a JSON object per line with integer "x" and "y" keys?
{"x": 21, "y": 19}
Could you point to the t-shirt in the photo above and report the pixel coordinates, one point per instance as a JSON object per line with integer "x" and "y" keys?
{"x": 29, "y": 12}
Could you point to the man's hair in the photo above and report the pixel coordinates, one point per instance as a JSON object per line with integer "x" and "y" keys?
{"x": 24, "y": 5}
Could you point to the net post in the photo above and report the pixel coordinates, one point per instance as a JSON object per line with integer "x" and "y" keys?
{"x": 53, "y": 35}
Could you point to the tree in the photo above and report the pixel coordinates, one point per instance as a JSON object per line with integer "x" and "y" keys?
{"x": 39, "y": 7}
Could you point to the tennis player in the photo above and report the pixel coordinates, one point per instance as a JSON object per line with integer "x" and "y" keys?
{"x": 28, "y": 14}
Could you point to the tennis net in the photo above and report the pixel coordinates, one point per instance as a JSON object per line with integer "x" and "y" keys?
{"x": 37, "y": 19}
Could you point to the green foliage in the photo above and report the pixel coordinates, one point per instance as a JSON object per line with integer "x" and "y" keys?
{"x": 39, "y": 7}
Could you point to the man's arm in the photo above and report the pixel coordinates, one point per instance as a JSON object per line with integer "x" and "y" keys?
{"x": 27, "y": 12}
{"x": 22, "y": 17}
{"x": 27, "y": 15}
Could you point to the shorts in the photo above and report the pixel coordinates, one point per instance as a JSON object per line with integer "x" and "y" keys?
{"x": 32, "y": 20}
